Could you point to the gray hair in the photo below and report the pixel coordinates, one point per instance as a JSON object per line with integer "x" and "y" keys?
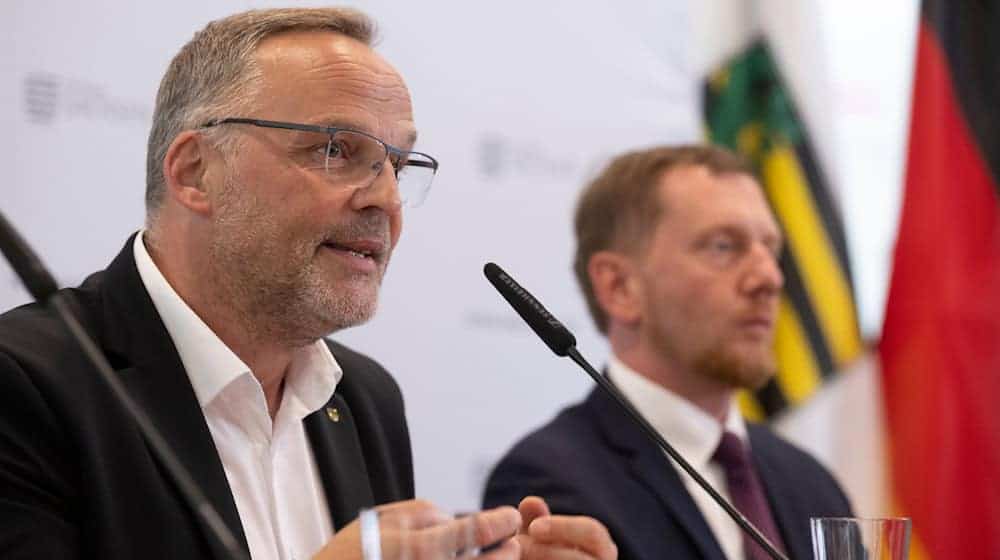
{"x": 215, "y": 74}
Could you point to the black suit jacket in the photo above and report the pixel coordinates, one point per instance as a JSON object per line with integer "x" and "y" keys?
{"x": 592, "y": 460}
{"x": 76, "y": 477}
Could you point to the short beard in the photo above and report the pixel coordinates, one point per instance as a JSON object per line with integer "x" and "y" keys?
{"x": 290, "y": 305}
{"x": 735, "y": 371}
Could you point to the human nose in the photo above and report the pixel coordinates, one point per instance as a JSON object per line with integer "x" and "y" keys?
{"x": 764, "y": 275}
{"x": 382, "y": 192}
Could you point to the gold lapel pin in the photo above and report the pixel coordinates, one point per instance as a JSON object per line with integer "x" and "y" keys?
{"x": 333, "y": 414}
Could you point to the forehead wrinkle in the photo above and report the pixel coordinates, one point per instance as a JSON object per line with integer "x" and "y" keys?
{"x": 361, "y": 68}
{"x": 340, "y": 62}
{"x": 362, "y": 90}
{"x": 405, "y": 139}
{"x": 359, "y": 87}
{"x": 352, "y": 72}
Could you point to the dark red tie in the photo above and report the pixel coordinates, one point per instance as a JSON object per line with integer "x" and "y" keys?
{"x": 747, "y": 493}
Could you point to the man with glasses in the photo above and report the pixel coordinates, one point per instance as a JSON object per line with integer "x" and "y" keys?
{"x": 279, "y": 160}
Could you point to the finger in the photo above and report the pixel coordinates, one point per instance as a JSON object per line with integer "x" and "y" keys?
{"x": 411, "y": 515}
{"x": 509, "y": 550}
{"x": 473, "y": 531}
{"x": 532, "y": 508}
{"x": 543, "y": 551}
{"x": 584, "y": 533}
{"x": 485, "y": 528}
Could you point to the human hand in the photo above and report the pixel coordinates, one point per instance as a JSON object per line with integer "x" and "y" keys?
{"x": 417, "y": 530}
{"x": 561, "y": 537}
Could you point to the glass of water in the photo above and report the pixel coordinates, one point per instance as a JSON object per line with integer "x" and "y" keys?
{"x": 852, "y": 538}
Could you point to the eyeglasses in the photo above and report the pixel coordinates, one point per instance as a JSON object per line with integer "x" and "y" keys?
{"x": 356, "y": 158}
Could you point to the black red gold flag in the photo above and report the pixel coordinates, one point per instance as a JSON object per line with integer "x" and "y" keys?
{"x": 940, "y": 348}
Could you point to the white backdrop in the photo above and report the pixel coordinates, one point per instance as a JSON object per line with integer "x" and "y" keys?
{"x": 521, "y": 101}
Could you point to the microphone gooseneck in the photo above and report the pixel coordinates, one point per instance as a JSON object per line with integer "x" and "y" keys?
{"x": 44, "y": 289}
{"x": 563, "y": 343}
{"x": 25, "y": 263}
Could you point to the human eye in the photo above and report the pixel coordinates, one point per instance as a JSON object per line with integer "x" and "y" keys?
{"x": 312, "y": 149}
{"x": 721, "y": 244}
{"x": 339, "y": 152}
{"x": 317, "y": 152}
{"x": 721, "y": 248}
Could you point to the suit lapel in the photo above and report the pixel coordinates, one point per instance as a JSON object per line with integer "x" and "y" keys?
{"x": 650, "y": 467}
{"x": 790, "y": 518}
{"x": 339, "y": 458}
{"x": 133, "y": 335}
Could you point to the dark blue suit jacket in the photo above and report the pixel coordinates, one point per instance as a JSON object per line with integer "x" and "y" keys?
{"x": 592, "y": 460}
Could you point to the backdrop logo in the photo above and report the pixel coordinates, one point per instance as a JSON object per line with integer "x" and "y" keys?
{"x": 49, "y": 98}
{"x": 41, "y": 96}
{"x": 502, "y": 157}
{"x": 505, "y": 321}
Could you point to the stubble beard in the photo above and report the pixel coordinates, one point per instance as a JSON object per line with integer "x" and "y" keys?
{"x": 715, "y": 361}
{"x": 734, "y": 370}
{"x": 276, "y": 288}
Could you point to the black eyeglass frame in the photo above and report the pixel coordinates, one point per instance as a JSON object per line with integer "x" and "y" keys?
{"x": 401, "y": 154}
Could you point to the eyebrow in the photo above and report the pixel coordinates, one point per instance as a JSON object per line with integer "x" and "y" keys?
{"x": 736, "y": 229}
{"x": 410, "y": 139}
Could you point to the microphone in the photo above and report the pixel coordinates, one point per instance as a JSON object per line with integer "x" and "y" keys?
{"x": 551, "y": 331}
{"x": 44, "y": 289}
{"x": 563, "y": 343}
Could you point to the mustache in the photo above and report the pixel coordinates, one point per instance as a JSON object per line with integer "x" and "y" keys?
{"x": 370, "y": 224}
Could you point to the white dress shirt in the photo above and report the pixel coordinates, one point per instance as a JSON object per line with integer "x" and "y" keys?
{"x": 269, "y": 465}
{"x": 695, "y": 434}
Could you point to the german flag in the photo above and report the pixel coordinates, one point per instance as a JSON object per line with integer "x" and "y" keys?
{"x": 940, "y": 347}
{"x": 749, "y": 110}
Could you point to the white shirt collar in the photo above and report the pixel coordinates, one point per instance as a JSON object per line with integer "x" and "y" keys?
{"x": 694, "y": 433}
{"x": 211, "y": 365}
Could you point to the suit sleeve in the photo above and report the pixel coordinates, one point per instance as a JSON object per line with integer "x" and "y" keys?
{"x": 35, "y": 493}
{"x": 546, "y": 474}
{"x": 522, "y": 474}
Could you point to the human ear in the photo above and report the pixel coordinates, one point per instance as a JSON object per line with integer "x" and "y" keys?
{"x": 184, "y": 171}
{"x": 616, "y": 286}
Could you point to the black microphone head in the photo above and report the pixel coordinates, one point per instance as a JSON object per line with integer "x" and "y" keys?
{"x": 551, "y": 331}
{"x": 26, "y": 265}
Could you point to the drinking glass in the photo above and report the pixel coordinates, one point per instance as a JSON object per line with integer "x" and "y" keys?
{"x": 852, "y": 538}
{"x": 422, "y": 534}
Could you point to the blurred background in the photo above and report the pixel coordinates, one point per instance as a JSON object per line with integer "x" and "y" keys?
{"x": 522, "y": 102}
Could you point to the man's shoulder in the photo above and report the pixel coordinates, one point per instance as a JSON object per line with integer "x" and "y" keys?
{"x": 565, "y": 439}
{"x": 770, "y": 445}
{"x": 35, "y": 332}
{"x": 27, "y": 323}
{"x": 784, "y": 461}
{"x": 571, "y": 461}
